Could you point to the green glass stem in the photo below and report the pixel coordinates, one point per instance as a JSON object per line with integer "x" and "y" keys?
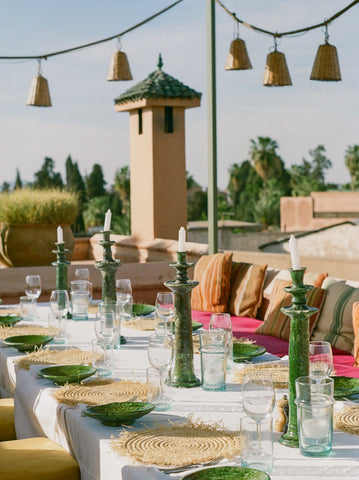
{"x": 299, "y": 314}
{"x": 183, "y": 372}
{"x": 61, "y": 266}
{"x": 108, "y": 267}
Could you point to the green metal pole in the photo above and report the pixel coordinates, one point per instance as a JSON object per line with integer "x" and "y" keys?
{"x": 212, "y": 129}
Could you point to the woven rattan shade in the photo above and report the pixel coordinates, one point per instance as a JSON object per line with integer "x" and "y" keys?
{"x": 238, "y": 58}
{"x": 39, "y": 95}
{"x": 326, "y": 64}
{"x": 119, "y": 68}
{"x": 276, "y": 73}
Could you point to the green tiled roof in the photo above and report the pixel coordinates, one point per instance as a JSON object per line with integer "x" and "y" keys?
{"x": 157, "y": 85}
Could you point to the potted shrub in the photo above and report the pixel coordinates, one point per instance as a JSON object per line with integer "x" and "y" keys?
{"x": 29, "y": 220}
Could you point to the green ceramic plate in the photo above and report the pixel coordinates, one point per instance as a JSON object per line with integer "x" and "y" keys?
{"x": 246, "y": 351}
{"x": 62, "y": 374}
{"x": 142, "y": 309}
{"x": 345, "y": 386}
{"x": 27, "y": 343}
{"x": 195, "y": 326}
{"x": 117, "y": 414}
{"x": 227, "y": 473}
{"x": 9, "y": 320}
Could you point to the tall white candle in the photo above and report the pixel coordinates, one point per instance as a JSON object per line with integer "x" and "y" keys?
{"x": 107, "y": 225}
{"x": 294, "y": 253}
{"x": 182, "y": 240}
{"x": 60, "y": 235}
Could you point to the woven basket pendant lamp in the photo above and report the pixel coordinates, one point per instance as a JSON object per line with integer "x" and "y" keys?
{"x": 276, "y": 73}
{"x": 119, "y": 67}
{"x": 39, "y": 95}
{"x": 326, "y": 63}
{"x": 238, "y": 58}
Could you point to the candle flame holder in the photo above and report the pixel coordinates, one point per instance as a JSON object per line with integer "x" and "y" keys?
{"x": 108, "y": 267}
{"x": 183, "y": 372}
{"x": 61, "y": 266}
{"x": 299, "y": 314}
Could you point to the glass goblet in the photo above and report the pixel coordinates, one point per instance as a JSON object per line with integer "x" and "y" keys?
{"x": 160, "y": 355}
{"x": 223, "y": 321}
{"x": 59, "y": 303}
{"x": 165, "y": 310}
{"x": 320, "y": 359}
{"x": 124, "y": 296}
{"x": 82, "y": 274}
{"x": 33, "y": 290}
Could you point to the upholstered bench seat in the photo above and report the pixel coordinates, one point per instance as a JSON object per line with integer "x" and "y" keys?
{"x": 7, "y": 427}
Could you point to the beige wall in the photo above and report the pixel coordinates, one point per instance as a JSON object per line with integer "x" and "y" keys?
{"x": 158, "y": 175}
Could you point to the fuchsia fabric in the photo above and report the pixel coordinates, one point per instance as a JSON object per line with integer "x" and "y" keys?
{"x": 245, "y": 327}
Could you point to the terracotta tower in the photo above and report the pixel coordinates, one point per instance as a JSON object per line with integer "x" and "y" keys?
{"x": 157, "y": 151}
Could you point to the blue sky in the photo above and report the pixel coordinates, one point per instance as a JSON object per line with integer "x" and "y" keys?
{"x": 83, "y": 123}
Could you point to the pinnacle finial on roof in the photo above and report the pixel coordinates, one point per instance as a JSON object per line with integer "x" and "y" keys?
{"x": 160, "y": 63}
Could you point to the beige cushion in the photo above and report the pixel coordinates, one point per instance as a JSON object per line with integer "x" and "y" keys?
{"x": 335, "y": 323}
{"x": 213, "y": 273}
{"x": 7, "y": 424}
{"x": 246, "y": 289}
{"x": 276, "y": 323}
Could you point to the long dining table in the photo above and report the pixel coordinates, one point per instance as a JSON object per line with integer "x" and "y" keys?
{"x": 38, "y": 413}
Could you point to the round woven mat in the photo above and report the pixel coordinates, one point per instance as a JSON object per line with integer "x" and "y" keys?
{"x": 97, "y": 392}
{"x": 175, "y": 445}
{"x": 26, "y": 330}
{"x": 46, "y": 356}
{"x": 347, "y": 419}
{"x": 278, "y": 372}
{"x": 140, "y": 323}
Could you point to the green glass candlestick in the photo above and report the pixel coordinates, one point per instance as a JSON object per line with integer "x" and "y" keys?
{"x": 183, "y": 373}
{"x": 61, "y": 266}
{"x": 299, "y": 314}
{"x": 108, "y": 267}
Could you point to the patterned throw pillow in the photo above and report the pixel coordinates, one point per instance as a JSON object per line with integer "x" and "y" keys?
{"x": 276, "y": 323}
{"x": 355, "y": 315}
{"x": 213, "y": 273}
{"x": 247, "y": 282}
{"x": 335, "y": 324}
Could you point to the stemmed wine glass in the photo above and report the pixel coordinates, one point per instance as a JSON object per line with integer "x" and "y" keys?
{"x": 124, "y": 296}
{"x": 107, "y": 325}
{"x": 258, "y": 399}
{"x": 165, "y": 309}
{"x": 223, "y": 321}
{"x": 321, "y": 359}
{"x": 33, "y": 290}
{"x": 59, "y": 304}
{"x": 160, "y": 355}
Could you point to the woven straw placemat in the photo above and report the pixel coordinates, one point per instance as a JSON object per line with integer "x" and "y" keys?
{"x": 10, "y": 311}
{"x": 140, "y": 323}
{"x": 73, "y": 356}
{"x": 178, "y": 444}
{"x": 347, "y": 419}
{"x": 6, "y": 332}
{"x": 97, "y": 392}
{"x": 278, "y": 372}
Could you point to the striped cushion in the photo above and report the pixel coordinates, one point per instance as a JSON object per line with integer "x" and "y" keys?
{"x": 335, "y": 324}
{"x": 247, "y": 282}
{"x": 355, "y": 316}
{"x": 276, "y": 323}
{"x": 213, "y": 273}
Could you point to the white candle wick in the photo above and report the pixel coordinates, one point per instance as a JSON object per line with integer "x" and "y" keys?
{"x": 182, "y": 240}
{"x": 60, "y": 235}
{"x": 107, "y": 225}
{"x": 294, "y": 253}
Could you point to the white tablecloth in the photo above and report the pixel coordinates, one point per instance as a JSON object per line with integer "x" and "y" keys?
{"x": 37, "y": 413}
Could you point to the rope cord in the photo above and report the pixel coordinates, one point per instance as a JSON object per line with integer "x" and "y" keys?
{"x": 292, "y": 32}
{"x": 97, "y": 42}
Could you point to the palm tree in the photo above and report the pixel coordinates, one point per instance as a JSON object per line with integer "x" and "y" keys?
{"x": 264, "y": 158}
{"x": 352, "y": 163}
{"x": 122, "y": 186}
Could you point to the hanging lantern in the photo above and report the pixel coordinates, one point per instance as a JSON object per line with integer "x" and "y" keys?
{"x": 119, "y": 68}
{"x": 39, "y": 95}
{"x": 238, "y": 58}
{"x": 326, "y": 63}
{"x": 276, "y": 73}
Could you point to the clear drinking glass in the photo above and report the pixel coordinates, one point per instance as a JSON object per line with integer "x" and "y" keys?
{"x": 124, "y": 296}
{"x": 82, "y": 274}
{"x": 223, "y": 321}
{"x": 59, "y": 302}
{"x": 321, "y": 359}
{"x": 160, "y": 355}
{"x": 33, "y": 290}
{"x": 106, "y": 325}
{"x": 165, "y": 309}
{"x": 258, "y": 399}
